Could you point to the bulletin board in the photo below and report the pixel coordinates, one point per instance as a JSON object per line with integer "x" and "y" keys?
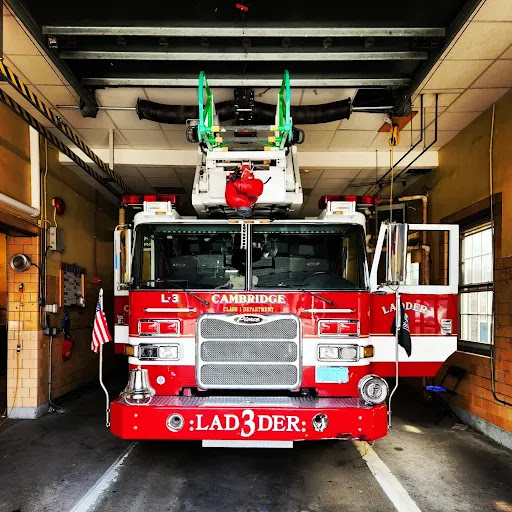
{"x": 72, "y": 281}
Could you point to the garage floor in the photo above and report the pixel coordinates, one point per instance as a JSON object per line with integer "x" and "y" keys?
{"x": 50, "y": 464}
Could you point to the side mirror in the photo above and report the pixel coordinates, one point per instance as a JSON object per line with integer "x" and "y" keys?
{"x": 396, "y": 253}
{"x": 122, "y": 257}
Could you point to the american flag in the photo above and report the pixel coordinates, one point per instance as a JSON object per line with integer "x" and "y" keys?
{"x": 100, "y": 334}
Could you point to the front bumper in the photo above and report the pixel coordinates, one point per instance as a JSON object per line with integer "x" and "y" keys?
{"x": 249, "y": 418}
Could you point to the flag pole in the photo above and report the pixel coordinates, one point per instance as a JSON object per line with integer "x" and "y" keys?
{"x": 107, "y": 398}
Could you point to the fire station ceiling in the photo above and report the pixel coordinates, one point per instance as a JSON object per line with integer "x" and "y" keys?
{"x": 468, "y": 65}
{"x": 377, "y": 45}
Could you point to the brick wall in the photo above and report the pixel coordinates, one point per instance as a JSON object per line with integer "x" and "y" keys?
{"x": 26, "y": 377}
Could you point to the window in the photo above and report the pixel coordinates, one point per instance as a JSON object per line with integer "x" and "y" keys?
{"x": 189, "y": 256}
{"x": 476, "y": 289}
{"x": 309, "y": 256}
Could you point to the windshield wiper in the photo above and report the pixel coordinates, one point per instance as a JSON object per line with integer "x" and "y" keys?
{"x": 327, "y": 301}
{"x": 204, "y": 302}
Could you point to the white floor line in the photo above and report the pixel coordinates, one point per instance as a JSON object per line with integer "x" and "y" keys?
{"x": 90, "y": 498}
{"x": 389, "y": 483}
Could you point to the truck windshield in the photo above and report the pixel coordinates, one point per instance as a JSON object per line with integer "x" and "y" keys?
{"x": 190, "y": 256}
{"x": 309, "y": 257}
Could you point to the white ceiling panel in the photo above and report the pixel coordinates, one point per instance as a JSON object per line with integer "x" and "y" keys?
{"x": 98, "y": 137}
{"x": 36, "y": 69}
{"x": 507, "y": 54}
{"x": 35, "y": 113}
{"x": 17, "y": 42}
{"x": 482, "y": 40}
{"x": 495, "y": 10}
{"x": 369, "y": 174}
{"x": 158, "y": 172}
{"x": 362, "y": 121}
{"x": 164, "y": 182}
{"x": 317, "y": 140}
{"x": 498, "y": 74}
{"x": 146, "y": 139}
{"x": 76, "y": 120}
{"x": 57, "y": 94}
{"x": 444, "y": 99}
{"x": 173, "y": 127}
{"x": 351, "y": 139}
{"x": 185, "y": 172}
{"x": 345, "y": 174}
{"x": 476, "y": 100}
{"x": 456, "y": 74}
{"x": 319, "y": 96}
{"x": 128, "y": 119}
{"x": 456, "y": 120}
{"x": 119, "y": 96}
{"x": 320, "y": 126}
{"x": 429, "y": 116}
{"x": 127, "y": 171}
{"x": 178, "y": 140}
{"x": 139, "y": 185}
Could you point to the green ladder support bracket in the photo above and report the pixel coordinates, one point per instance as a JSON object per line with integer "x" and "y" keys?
{"x": 208, "y": 132}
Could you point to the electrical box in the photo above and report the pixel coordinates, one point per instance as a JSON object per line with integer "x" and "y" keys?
{"x": 56, "y": 239}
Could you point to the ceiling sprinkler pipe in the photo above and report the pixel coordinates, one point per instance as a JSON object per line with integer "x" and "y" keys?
{"x": 263, "y": 113}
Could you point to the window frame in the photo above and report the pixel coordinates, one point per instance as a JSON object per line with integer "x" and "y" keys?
{"x": 476, "y": 347}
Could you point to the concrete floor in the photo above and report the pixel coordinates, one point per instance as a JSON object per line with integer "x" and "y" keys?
{"x": 50, "y": 463}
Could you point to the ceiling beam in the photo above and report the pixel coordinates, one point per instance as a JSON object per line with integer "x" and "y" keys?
{"x": 307, "y": 159}
{"x": 241, "y": 56}
{"x": 244, "y": 82}
{"x": 18, "y": 9}
{"x": 226, "y": 31}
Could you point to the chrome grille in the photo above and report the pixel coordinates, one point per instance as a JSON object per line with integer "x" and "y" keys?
{"x": 249, "y": 351}
{"x": 279, "y": 329}
{"x": 262, "y": 355}
{"x": 249, "y": 375}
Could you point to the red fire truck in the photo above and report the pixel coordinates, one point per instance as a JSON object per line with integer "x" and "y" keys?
{"x": 246, "y": 326}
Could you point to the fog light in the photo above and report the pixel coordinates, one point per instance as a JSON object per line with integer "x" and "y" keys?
{"x": 349, "y": 353}
{"x": 373, "y": 389}
{"x": 168, "y": 352}
{"x": 320, "y": 422}
{"x": 328, "y": 352}
{"x": 175, "y": 422}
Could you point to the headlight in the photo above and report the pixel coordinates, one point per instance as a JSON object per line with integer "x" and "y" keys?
{"x": 328, "y": 352}
{"x": 349, "y": 353}
{"x": 168, "y": 352}
{"x": 373, "y": 389}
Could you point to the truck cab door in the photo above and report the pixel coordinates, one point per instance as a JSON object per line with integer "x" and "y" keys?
{"x": 429, "y": 294}
{"x": 122, "y": 278}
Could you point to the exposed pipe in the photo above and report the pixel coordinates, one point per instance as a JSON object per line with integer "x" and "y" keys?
{"x": 35, "y": 181}
{"x": 263, "y": 113}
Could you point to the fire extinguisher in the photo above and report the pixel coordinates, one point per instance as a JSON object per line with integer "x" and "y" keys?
{"x": 67, "y": 344}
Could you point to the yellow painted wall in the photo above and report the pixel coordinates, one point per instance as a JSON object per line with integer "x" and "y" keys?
{"x": 462, "y": 180}
{"x": 88, "y": 224}
{"x": 14, "y": 156}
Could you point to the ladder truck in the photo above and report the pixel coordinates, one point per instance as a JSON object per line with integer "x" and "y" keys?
{"x": 246, "y": 326}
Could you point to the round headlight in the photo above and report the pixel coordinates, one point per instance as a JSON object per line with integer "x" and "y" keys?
{"x": 373, "y": 389}
{"x": 349, "y": 353}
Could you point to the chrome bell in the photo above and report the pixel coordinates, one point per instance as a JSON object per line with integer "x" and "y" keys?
{"x": 138, "y": 391}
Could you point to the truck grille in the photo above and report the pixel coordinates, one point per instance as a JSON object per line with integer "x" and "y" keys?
{"x": 260, "y": 355}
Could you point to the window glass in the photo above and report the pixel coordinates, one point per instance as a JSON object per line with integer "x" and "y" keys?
{"x": 311, "y": 257}
{"x": 189, "y": 256}
{"x": 476, "y": 292}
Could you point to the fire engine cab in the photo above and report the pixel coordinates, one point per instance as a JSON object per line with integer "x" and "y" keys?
{"x": 245, "y": 326}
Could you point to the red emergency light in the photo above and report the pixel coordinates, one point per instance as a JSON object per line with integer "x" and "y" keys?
{"x": 133, "y": 199}
{"x": 360, "y": 200}
{"x": 338, "y": 327}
